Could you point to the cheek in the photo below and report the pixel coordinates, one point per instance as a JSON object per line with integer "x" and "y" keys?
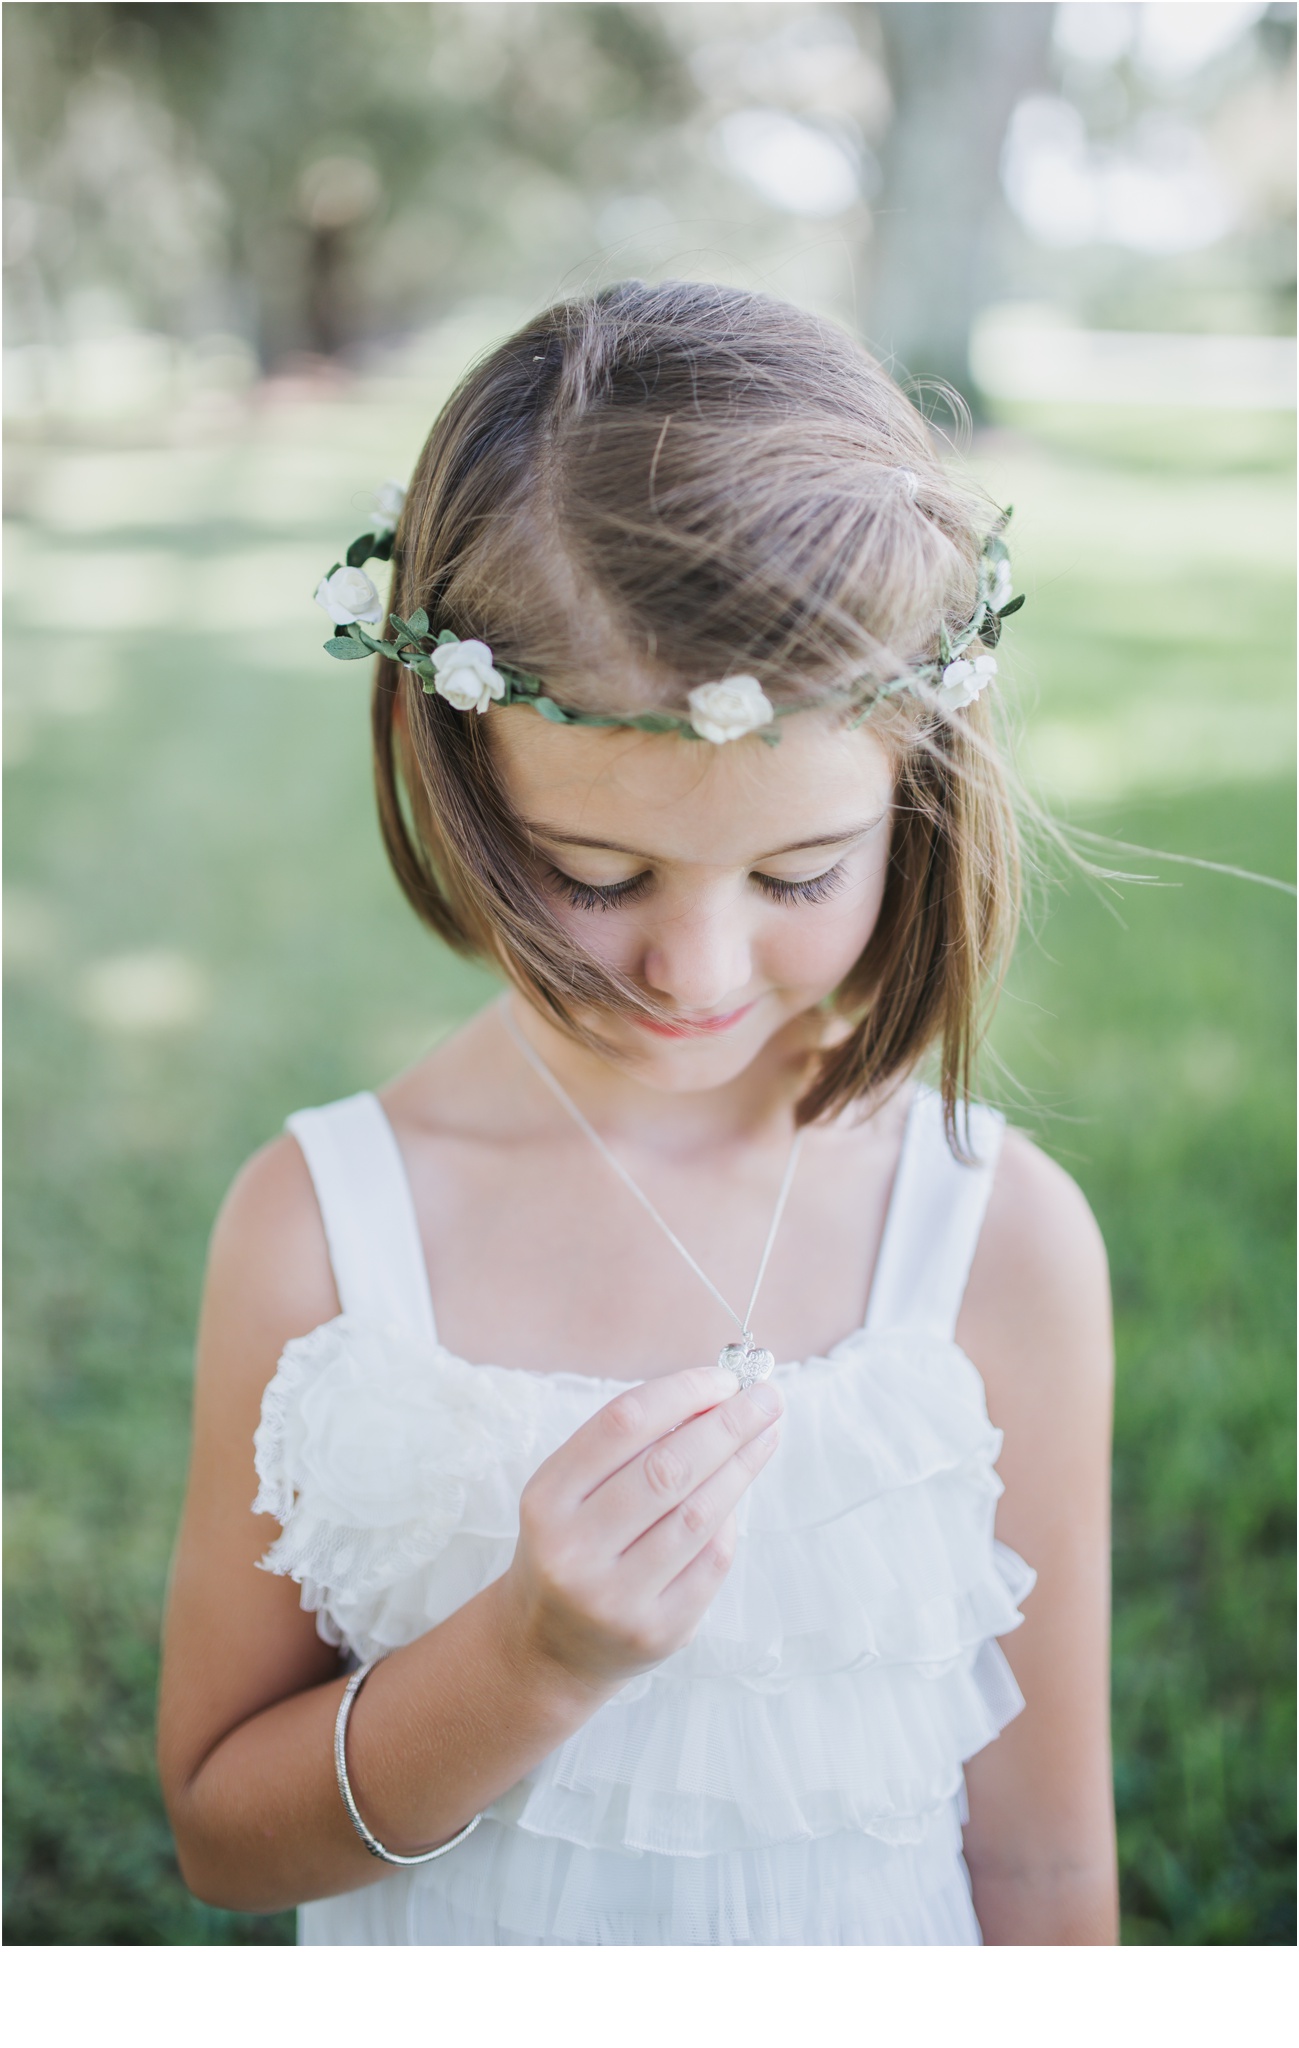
{"x": 608, "y": 936}
{"x": 820, "y": 944}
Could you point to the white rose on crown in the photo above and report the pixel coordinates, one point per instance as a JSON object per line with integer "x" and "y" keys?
{"x": 464, "y": 675}
{"x": 727, "y": 710}
{"x": 348, "y": 595}
{"x": 964, "y": 680}
{"x": 1000, "y": 586}
{"x": 386, "y": 507}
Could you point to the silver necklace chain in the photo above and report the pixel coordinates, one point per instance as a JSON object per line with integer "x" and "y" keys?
{"x": 747, "y": 1360}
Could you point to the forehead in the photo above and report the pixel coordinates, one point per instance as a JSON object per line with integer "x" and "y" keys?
{"x": 681, "y": 799}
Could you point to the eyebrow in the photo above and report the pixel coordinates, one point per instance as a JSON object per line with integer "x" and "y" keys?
{"x": 637, "y": 853}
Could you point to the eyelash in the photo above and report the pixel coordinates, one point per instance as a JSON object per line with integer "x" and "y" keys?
{"x": 590, "y": 896}
{"x": 593, "y": 896}
{"x": 816, "y": 891}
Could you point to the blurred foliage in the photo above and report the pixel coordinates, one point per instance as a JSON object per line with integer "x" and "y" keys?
{"x": 318, "y": 179}
{"x": 312, "y": 172}
{"x": 201, "y": 936}
{"x": 1238, "y": 106}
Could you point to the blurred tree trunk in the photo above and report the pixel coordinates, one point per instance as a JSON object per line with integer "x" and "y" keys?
{"x": 956, "y": 72}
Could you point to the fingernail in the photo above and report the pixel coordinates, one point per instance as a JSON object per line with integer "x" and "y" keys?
{"x": 768, "y": 1398}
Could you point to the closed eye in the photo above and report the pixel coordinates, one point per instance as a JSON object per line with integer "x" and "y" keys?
{"x": 816, "y": 890}
{"x": 597, "y": 896}
{"x": 607, "y": 895}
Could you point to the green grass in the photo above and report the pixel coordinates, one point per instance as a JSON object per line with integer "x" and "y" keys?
{"x": 180, "y": 788}
{"x": 1159, "y": 1057}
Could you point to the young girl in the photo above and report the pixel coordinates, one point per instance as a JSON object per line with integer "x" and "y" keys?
{"x": 584, "y": 1621}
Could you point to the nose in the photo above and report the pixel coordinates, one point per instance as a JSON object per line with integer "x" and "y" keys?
{"x": 699, "y": 954}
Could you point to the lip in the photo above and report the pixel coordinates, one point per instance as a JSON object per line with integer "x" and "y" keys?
{"x": 701, "y": 1027}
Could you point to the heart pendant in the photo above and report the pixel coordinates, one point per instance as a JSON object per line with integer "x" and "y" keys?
{"x": 748, "y": 1361}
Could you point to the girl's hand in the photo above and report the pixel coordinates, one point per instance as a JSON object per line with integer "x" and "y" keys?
{"x": 626, "y": 1532}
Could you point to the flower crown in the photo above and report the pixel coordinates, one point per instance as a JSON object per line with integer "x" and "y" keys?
{"x": 465, "y": 674}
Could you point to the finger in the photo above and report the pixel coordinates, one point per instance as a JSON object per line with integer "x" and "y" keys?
{"x": 686, "y": 1598}
{"x": 637, "y": 1496}
{"x": 628, "y": 1425}
{"x": 671, "y": 1546}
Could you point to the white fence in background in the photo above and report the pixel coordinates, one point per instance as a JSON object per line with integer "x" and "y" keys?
{"x": 1031, "y": 355}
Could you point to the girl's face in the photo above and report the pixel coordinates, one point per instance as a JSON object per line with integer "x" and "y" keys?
{"x": 736, "y": 884}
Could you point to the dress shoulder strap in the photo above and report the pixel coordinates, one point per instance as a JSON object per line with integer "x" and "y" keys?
{"x": 933, "y": 1222}
{"x": 369, "y": 1217}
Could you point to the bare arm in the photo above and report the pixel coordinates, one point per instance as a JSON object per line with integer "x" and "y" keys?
{"x": 1036, "y": 1321}
{"x": 624, "y": 1541}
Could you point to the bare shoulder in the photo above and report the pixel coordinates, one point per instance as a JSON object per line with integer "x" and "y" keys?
{"x": 1039, "y": 1229}
{"x": 1036, "y": 1314}
{"x": 269, "y": 1277}
{"x": 237, "y": 1638}
{"x": 1036, "y": 1323}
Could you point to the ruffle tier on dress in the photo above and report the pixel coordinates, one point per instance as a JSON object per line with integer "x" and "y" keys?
{"x": 794, "y": 1773}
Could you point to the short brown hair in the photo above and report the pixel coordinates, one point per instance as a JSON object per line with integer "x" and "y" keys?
{"x": 671, "y": 483}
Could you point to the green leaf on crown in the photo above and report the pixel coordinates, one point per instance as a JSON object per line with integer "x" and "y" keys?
{"x": 418, "y": 622}
{"x": 344, "y": 649}
{"x": 369, "y": 547}
{"x": 1013, "y": 606}
{"x": 446, "y": 638}
{"x": 371, "y": 645}
{"x": 645, "y": 721}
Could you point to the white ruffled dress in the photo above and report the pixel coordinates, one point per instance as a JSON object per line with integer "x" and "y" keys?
{"x": 794, "y": 1774}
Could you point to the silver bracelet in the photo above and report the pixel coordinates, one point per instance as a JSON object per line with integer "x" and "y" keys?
{"x": 372, "y": 1842}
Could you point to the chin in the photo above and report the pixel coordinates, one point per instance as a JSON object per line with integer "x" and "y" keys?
{"x": 681, "y": 1066}
{"x": 673, "y": 1074}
